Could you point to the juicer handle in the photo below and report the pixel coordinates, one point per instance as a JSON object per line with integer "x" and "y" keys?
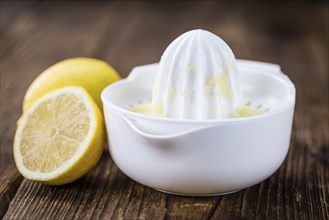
{"x": 269, "y": 67}
{"x": 146, "y": 73}
{"x": 274, "y": 68}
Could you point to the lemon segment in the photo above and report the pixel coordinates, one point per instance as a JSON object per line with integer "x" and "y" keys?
{"x": 91, "y": 74}
{"x": 60, "y": 137}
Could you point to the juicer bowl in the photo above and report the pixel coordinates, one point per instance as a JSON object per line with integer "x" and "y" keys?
{"x": 201, "y": 157}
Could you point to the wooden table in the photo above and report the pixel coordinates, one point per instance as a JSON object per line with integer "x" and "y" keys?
{"x": 35, "y": 35}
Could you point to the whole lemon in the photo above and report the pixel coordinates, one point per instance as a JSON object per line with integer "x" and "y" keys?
{"x": 91, "y": 74}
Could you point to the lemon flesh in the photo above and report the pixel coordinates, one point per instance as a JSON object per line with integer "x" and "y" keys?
{"x": 244, "y": 111}
{"x": 91, "y": 74}
{"x": 60, "y": 137}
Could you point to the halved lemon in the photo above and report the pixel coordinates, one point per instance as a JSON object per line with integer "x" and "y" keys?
{"x": 60, "y": 138}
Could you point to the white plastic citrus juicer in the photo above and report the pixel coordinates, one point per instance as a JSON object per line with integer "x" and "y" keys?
{"x": 201, "y": 156}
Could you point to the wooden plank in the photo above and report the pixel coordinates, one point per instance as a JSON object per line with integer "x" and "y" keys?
{"x": 96, "y": 195}
{"x": 10, "y": 180}
{"x": 127, "y": 34}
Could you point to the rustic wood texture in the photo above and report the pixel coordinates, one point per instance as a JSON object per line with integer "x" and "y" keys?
{"x": 35, "y": 35}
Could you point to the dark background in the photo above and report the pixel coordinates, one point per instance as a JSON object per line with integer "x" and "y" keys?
{"x": 35, "y": 35}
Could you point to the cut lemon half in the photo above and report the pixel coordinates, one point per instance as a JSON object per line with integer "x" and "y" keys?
{"x": 60, "y": 138}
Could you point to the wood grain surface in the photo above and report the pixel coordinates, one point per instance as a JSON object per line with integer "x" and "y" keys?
{"x": 35, "y": 35}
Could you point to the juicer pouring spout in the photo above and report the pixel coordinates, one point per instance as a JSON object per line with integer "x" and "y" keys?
{"x": 131, "y": 127}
